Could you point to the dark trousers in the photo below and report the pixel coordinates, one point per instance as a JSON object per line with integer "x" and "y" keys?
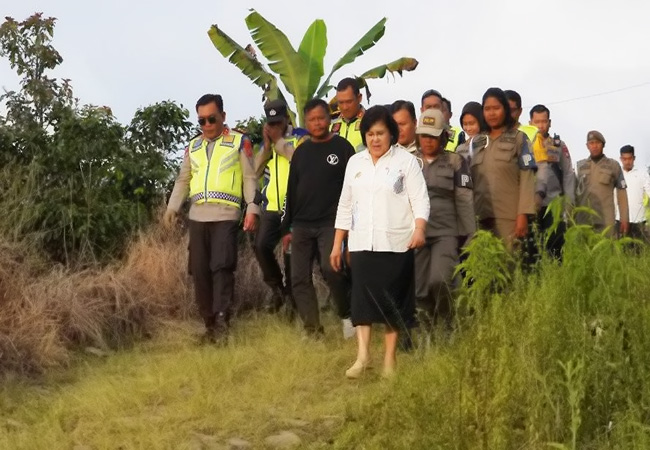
{"x": 266, "y": 240}
{"x": 306, "y": 245}
{"x": 554, "y": 241}
{"x": 435, "y": 263}
{"x": 213, "y": 260}
{"x": 635, "y": 231}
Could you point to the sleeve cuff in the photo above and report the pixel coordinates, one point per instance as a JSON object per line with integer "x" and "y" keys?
{"x": 252, "y": 208}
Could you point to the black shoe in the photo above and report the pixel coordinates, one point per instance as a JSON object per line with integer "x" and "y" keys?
{"x": 290, "y": 308}
{"x": 208, "y": 337}
{"x": 316, "y": 334}
{"x": 221, "y": 329}
{"x": 277, "y": 300}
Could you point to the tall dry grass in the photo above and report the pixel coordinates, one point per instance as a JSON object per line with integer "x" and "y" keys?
{"x": 48, "y": 312}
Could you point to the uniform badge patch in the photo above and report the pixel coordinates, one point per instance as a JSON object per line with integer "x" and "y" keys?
{"x": 197, "y": 144}
{"x": 565, "y": 150}
{"x": 357, "y": 125}
{"x": 431, "y": 121}
{"x": 248, "y": 147}
{"x": 228, "y": 140}
{"x": 336, "y": 127}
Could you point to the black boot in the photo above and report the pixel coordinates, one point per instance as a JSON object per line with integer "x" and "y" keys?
{"x": 277, "y": 300}
{"x": 221, "y": 329}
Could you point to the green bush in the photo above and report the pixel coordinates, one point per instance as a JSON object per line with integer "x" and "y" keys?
{"x": 556, "y": 358}
{"x": 75, "y": 181}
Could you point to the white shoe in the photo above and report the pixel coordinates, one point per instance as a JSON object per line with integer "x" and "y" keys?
{"x": 356, "y": 370}
{"x": 349, "y": 331}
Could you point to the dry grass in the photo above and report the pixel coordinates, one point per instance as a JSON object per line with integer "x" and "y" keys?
{"x": 45, "y": 313}
{"x": 170, "y": 393}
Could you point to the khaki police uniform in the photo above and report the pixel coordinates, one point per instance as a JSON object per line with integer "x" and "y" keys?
{"x": 503, "y": 173}
{"x": 274, "y": 162}
{"x": 219, "y": 178}
{"x": 596, "y": 181}
{"x": 555, "y": 177}
{"x": 350, "y": 130}
{"x": 449, "y": 185}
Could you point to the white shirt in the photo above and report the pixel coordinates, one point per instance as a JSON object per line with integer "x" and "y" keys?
{"x": 380, "y": 202}
{"x": 638, "y": 183}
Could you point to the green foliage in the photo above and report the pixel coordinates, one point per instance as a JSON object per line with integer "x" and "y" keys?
{"x": 557, "y": 358}
{"x": 253, "y": 127}
{"x": 300, "y": 71}
{"x": 84, "y": 181}
{"x": 553, "y": 359}
{"x": 367, "y": 41}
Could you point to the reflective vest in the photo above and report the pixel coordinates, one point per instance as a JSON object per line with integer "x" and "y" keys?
{"x": 218, "y": 179}
{"x": 351, "y": 130}
{"x": 530, "y": 131}
{"x": 454, "y": 138}
{"x": 278, "y": 167}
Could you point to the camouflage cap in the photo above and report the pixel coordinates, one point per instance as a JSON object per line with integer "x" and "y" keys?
{"x": 594, "y": 135}
{"x": 431, "y": 122}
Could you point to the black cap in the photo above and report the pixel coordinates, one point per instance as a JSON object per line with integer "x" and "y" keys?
{"x": 275, "y": 111}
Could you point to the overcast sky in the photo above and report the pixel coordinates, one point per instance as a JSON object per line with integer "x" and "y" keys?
{"x": 128, "y": 54}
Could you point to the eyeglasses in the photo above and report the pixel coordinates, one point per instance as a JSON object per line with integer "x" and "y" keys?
{"x": 211, "y": 120}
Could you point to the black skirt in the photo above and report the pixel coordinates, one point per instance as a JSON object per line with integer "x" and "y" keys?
{"x": 383, "y": 288}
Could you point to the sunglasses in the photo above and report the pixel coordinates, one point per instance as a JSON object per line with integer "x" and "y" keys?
{"x": 211, "y": 120}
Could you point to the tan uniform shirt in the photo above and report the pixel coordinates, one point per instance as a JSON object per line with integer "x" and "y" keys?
{"x": 503, "y": 173}
{"x": 449, "y": 185}
{"x": 282, "y": 147}
{"x": 215, "y": 212}
{"x": 596, "y": 182}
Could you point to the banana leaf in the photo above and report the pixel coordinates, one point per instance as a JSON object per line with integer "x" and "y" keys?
{"x": 282, "y": 57}
{"x": 312, "y": 49}
{"x": 399, "y": 66}
{"x": 403, "y": 64}
{"x": 367, "y": 41}
{"x": 249, "y": 65}
{"x": 238, "y": 56}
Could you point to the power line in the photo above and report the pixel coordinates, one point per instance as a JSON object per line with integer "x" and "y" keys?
{"x": 599, "y": 94}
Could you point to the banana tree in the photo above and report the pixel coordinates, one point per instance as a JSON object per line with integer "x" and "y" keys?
{"x": 300, "y": 71}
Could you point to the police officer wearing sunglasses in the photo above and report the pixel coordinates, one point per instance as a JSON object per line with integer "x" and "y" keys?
{"x": 218, "y": 176}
